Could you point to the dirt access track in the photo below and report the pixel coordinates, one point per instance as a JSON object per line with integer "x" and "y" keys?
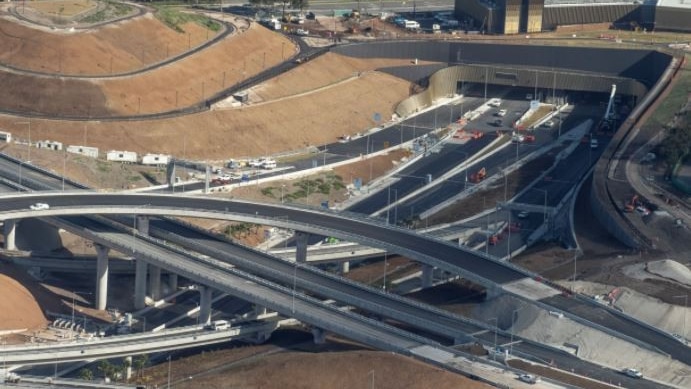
{"x": 343, "y": 91}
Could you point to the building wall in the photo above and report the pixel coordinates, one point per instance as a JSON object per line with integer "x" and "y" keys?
{"x": 512, "y": 17}
{"x": 588, "y": 14}
{"x": 667, "y": 18}
{"x": 535, "y": 11}
{"x": 479, "y": 11}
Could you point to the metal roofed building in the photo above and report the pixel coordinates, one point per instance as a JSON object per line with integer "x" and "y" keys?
{"x": 528, "y": 16}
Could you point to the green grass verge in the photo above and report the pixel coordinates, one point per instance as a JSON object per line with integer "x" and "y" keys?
{"x": 111, "y": 11}
{"x": 674, "y": 101}
{"x": 174, "y": 18}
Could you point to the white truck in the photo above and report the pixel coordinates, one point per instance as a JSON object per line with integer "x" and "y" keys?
{"x": 218, "y": 325}
{"x": 11, "y": 378}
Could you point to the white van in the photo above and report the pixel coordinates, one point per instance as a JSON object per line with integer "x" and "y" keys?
{"x": 269, "y": 164}
{"x": 411, "y": 25}
{"x": 218, "y": 325}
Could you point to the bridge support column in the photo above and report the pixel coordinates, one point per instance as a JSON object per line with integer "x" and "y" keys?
{"x": 155, "y": 282}
{"x": 207, "y": 178}
{"x": 142, "y": 224}
{"x": 173, "y": 282}
{"x": 206, "y": 294}
{"x": 259, "y": 310}
{"x": 493, "y": 292}
{"x": 128, "y": 370}
{"x": 140, "y": 284}
{"x": 301, "y": 239}
{"x": 319, "y": 335}
{"x": 427, "y": 278}
{"x": 101, "y": 276}
{"x": 345, "y": 267}
{"x": 9, "y": 231}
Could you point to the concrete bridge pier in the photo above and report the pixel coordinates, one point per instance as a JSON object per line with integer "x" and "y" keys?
{"x": 206, "y": 295}
{"x": 259, "y": 310}
{"x": 101, "y": 276}
{"x": 128, "y": 370}
{"x": 154, "y": 282}
{"x": 140, "y": 284}
{"x": 319, "y": 335}
{"x": 301, "y": 239}
{"x": 493, "y": 292}
{"x": 9, "y": 229}
{"x": 427, "y": 277}
{"x": 172, "y": 282}
{"x": 142, "y": 226}
{"x": 345, "y": 267}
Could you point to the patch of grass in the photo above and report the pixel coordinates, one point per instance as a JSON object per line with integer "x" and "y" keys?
{"x": 111, "y": 11}
{"x": 674, "y": 101}
{"x": 174, "y": 18}
{"x": 268, "y": 191}
{"x": 103, "y": 166}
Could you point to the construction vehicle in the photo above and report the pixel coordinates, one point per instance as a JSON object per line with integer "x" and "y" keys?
{"x": 631, "y": 205}
{"x": 479, "y": 176}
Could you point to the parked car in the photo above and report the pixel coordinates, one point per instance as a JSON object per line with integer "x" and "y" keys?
{"x": 523, "y": 214}
{"x": 39, "y": 207}
{"x": 501, "y": 112}
{"x": 633, "y": 373}
{"x": 529, "y": 378}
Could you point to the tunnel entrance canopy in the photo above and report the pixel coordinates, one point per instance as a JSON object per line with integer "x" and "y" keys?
{"x": 445, "y": 82}
{"x": 645, "y": 66}
{"x": 579, "y": 69}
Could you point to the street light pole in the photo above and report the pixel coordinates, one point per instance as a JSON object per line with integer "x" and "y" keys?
{"x": 388, "y": 204}
{"x": 295, "y": 275}
{"x": 385, "y": 263}
{"x": 575, "y": 258}
{"x": 168, "y": 371}
{"x": 496, "y": 328}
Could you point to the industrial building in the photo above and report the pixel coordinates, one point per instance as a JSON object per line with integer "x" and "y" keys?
{"x": 528, "y": 16}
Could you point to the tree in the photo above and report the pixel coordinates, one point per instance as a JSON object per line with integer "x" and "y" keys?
{"x": 106, "y": 368}
{"x": 86, "y": 374}
{"x": 300, "y": 4}
{"x": 139, "y": 362}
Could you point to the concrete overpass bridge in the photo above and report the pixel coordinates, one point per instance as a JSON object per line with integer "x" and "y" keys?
{"x": 482, "y": 269}
{"x": 128, "y": 345}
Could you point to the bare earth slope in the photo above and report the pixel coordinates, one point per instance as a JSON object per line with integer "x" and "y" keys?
{"x": 253, "y": 130}
{"x": 131, "y": 44}
{"x": 180, "y": 84}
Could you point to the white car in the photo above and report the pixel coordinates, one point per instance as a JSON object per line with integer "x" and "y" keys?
{"x": 502, "y": 112}
{"x": 518, "y": 138}
{"x": 494, "y": 103}
{"x": 39, "y": 207}
{"x": 633, "y": 373}
{"x": 529, "y": 378}
{"x": 523, "y": 214}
